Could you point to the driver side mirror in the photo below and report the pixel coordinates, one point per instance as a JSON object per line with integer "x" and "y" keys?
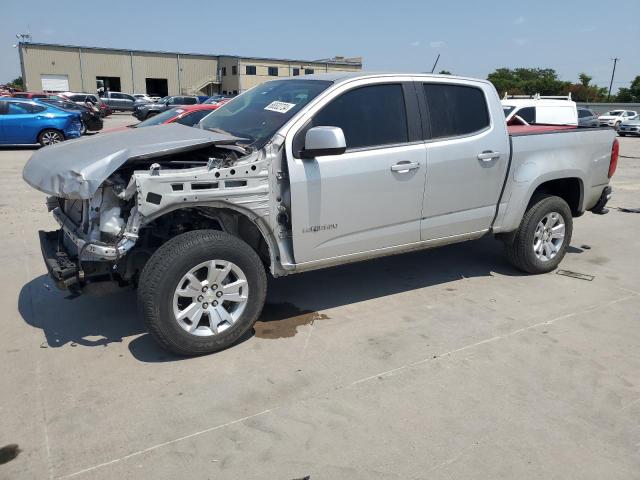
{"x": 323, "y": 141}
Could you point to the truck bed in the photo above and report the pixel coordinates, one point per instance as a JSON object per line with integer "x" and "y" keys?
{"x": 515, "y": 130}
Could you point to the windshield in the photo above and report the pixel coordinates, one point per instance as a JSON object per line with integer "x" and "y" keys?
{"x": 160, "y": 118}
{"x": 614, "y": 113}
{"x": 507, "y": 110}
{"x": 258, "y": 113}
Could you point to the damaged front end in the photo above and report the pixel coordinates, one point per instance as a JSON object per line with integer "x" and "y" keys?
{"x": 115, "y": 209}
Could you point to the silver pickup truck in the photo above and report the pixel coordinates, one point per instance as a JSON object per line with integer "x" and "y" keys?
{"x": 306, "y": 173}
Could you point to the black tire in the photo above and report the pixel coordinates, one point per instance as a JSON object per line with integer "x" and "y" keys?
{"x": 520, "y": 252}
{"x": 151, "y": 114}
{"x": 622, "y": 134}
{"x": 170, "y": 263}
{"x": 50, "y": 136}
{"x": 83, "y": 128}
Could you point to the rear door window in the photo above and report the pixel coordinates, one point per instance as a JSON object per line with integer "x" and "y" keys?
{"x": 528, "y": 114}
{"x": 189, "y": 100}
{"x": 369, "y": 116}
{"x": 455, "y": 110}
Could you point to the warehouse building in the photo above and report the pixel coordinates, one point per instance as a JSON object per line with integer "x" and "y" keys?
{"x": 57, "y": 68}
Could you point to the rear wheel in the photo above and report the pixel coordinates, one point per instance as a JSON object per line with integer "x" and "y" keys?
{"x": 151, "y": 114}
{"x": 541, "y": 241}
{"x": 201, "y": 291}
{"x": 49, "y": 137}
{"x": 83, "y": 127}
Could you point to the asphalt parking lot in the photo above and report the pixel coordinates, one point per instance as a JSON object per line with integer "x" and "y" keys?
{"x": 439, "y": 364}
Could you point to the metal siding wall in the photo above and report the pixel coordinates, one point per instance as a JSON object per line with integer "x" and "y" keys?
{"x": 155, "y": 65}
{"x": 50, "y": 60}
{"x": 98, "y": 63}
{"x": 43, "y": 59}
{"x": 195, "y": 71}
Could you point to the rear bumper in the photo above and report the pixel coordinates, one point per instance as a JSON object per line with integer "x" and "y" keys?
{"x": 63, "y": 270}
{"x": 605, "y": 196}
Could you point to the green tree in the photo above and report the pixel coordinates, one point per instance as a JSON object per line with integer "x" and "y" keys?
{"x": 528, "y": 81}
{"x": 17, "y": 83}
{"x": 630, "y": 94}
{"x": 585, "y": 79}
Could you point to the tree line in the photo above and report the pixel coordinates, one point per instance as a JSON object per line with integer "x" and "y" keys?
{"x": 545, "y": 81}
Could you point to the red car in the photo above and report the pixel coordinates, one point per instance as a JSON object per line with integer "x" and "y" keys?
{"x": 188, "y": 115}
{"x": 30, "y": 95}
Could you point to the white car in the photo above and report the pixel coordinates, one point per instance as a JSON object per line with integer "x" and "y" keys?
{"x": 143, "y": 97}
{"x": 615, "y": 117}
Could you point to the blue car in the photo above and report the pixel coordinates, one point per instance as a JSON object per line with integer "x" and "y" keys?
{"x": 24, "y": 121}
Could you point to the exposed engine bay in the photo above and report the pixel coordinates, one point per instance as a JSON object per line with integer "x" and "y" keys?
{"x": 147, "y": 201}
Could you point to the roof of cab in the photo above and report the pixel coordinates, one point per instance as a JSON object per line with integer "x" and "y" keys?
{"x": 339, "y": 77}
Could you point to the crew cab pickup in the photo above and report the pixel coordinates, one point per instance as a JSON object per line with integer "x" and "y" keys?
{"x": 305, "y": 173}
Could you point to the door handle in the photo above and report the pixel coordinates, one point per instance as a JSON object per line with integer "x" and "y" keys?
{"x": 488, "y": 155}
{"x": 404, "y": 166}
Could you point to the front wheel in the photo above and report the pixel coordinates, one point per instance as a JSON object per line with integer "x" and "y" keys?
{"x": 541, "y": 240}
{"x": 201, "y": 291}
{"x": 49, "y": 137}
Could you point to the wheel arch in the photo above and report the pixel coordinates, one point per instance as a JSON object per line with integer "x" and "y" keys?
{"x": 233, "y": 219}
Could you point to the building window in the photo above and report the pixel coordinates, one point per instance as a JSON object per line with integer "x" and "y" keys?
{"x": 296, "y": 72}
{"x": 224, "y": 71}
{"x": 250, "y": 70}
{"x": 235, "y": 92}
{"x": 224, "y": 92}
{"x": 308, "y": 71}
{"x": 273, "y": 71}
{"x": 234, "y": 70}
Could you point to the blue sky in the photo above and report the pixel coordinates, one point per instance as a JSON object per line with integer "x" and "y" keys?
{"x": 473, "y": 37}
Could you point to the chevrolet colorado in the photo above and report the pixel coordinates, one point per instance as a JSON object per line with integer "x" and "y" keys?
{"x": 304, "y": 173}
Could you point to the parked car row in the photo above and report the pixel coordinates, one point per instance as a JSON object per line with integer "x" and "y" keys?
{"x": 25, "y": 121}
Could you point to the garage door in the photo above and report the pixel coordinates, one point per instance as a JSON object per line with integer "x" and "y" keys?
{"x": 55, "y": 83}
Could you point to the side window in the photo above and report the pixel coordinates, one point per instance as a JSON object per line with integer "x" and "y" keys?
{"x": 583, "y": 113}
{"x": 117, "y": 96}
{"x": 528, "y": 114}
{"x": 3, "y": 108}
{"x": 16, "y": 108}
{"x": 36, "y": 108}
{"x": 369, "y": 116}
{"x": 189, "y": 101}
{"x": 129, "y": 97}
{"x": 455, "y": 109}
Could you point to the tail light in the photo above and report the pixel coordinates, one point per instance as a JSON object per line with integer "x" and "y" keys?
{"x": 615, "y": 152}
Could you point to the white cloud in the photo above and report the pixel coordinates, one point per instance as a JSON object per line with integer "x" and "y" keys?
{"x": 437, "y": 44}
{"x": 519, "y": 21}
{"x": 415, "y": 44}
{"x": 520, "y": 41}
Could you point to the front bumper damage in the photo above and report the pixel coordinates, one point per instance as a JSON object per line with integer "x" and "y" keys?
{"x": 62, "y": 269}
{"x": 67, "y": 253}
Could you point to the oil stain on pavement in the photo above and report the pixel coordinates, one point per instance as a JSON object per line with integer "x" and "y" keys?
{"x": 281, "y": 320}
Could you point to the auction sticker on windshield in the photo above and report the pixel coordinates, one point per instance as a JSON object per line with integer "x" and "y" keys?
{"x": 280, "y": 107}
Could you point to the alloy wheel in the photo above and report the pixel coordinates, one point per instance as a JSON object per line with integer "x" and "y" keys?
{"x": 549, "y": 236}
{"x": 210, "y": 297}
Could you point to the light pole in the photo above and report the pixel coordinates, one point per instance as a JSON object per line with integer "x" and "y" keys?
{"x": 615, "y": 60}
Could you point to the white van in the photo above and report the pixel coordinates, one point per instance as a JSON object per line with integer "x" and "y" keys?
{"x": 536, "y": 109}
